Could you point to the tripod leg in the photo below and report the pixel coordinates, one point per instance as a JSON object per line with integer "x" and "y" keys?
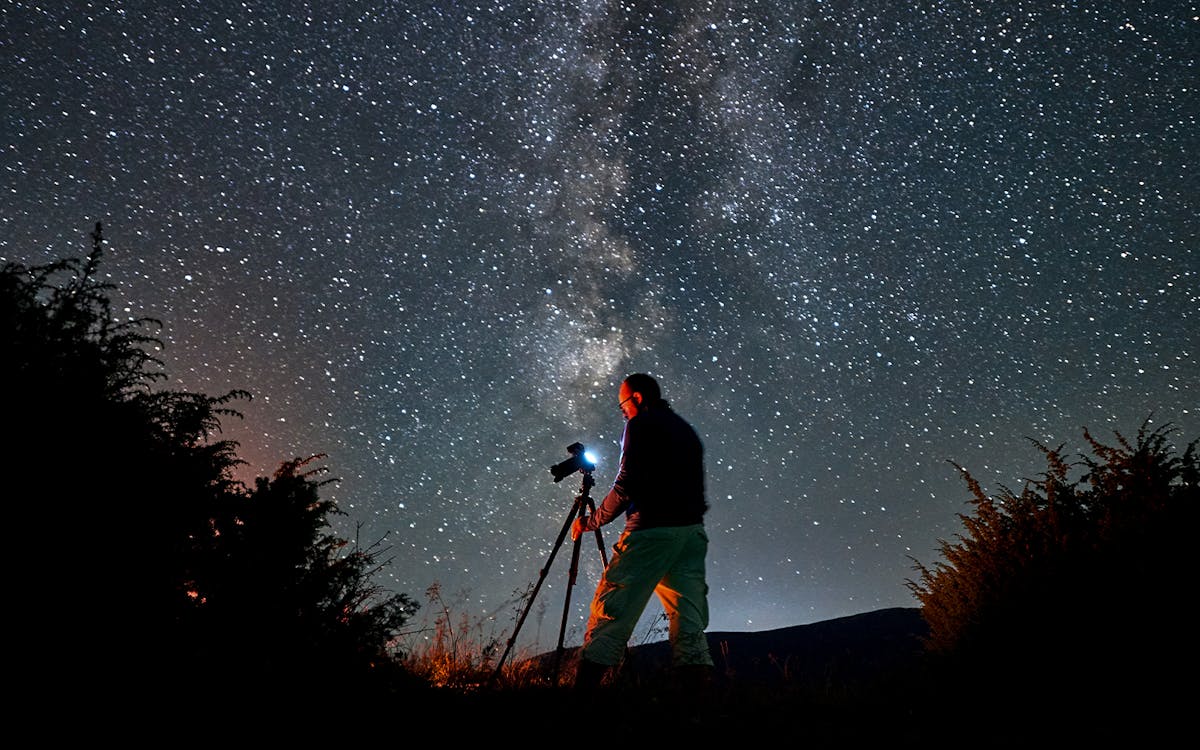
{"x": 599, "y": 537}
{"x": 562, "y": 534}
{"x": 574, "y": 572}
{"x": 583, "y": 511}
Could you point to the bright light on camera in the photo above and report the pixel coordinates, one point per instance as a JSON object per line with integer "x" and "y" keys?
{"x": 581, "y": 460}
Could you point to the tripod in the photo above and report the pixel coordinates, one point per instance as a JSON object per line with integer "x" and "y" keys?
{"x": 583, "y": 505}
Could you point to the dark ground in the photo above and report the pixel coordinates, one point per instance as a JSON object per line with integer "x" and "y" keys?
{"x": 857, "y": 681}
{"x": 851, "y": 682}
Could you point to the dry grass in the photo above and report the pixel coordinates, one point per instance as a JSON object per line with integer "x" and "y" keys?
{"x": 449, "y": 648}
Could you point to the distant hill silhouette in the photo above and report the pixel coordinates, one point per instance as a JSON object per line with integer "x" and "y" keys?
{"x": 843, "y": 650}
{"x": 853, "y": 647}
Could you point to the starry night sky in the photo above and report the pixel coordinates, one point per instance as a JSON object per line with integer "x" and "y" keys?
{"x": 854, "y": 242}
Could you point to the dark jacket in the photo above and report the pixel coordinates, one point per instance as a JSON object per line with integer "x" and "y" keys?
{"x": 660, "y": 481}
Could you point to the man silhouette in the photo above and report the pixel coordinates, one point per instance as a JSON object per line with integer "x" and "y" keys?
{"x": 660, "y": 489}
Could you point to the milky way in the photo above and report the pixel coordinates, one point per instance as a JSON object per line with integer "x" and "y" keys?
{"x": 855, "y": 242}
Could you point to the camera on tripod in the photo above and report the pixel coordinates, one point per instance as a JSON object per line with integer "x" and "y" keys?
{"x": 579, "y": 461}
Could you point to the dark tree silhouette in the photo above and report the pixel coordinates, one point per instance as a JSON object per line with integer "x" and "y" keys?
{"x": 284, "y": 606}
{"x": 140, "y": 565}
{"x": 1070, "y": 592}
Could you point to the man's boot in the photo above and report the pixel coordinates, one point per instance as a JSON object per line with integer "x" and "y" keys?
{"x": 589, "y": 675}
{"x": 696, "y": 680}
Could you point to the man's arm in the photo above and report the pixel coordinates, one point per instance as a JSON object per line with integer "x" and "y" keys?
{"x": 617, "y": 500}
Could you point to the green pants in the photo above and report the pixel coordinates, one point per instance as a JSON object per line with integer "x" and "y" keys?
{"x": 667, "y": 561}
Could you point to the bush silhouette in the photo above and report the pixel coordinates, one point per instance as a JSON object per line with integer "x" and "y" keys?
{"x": 1068, "y": 591}
{"x": 138, "y": 561}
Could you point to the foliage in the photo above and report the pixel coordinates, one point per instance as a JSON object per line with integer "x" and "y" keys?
{"x": 279, "y": 599}
{"x": 137, "y": 552}
{"x": 1074, "y": 580}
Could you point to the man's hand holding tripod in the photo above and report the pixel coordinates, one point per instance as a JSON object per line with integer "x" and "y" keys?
{"x": 577, "y": 527}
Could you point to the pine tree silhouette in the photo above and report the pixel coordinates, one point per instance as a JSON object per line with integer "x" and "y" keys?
{"x": 140, "y": 566}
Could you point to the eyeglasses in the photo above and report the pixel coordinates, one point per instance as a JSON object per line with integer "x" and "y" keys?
{"x": 623, "y": 403}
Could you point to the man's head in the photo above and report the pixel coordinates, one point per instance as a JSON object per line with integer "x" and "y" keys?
{"x": 638, "y": 392}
